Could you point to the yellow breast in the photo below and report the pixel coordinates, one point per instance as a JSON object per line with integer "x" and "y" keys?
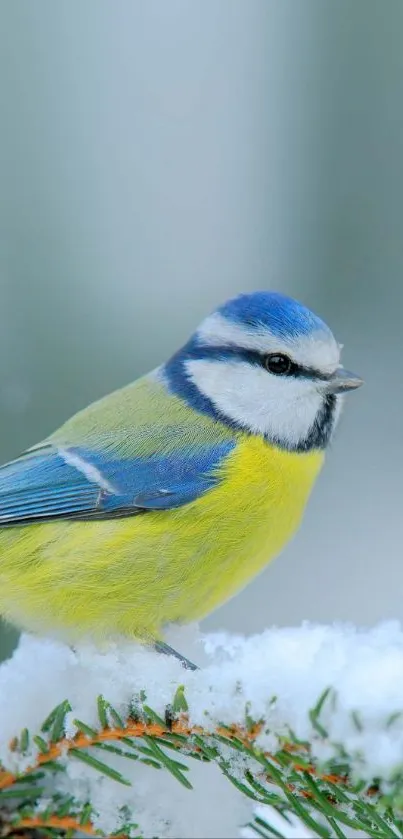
{"x": 246, "y": 521}
{"x": 131, "y": 576}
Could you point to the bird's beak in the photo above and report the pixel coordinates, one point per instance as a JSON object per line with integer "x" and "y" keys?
{"x": 342, "y": 380}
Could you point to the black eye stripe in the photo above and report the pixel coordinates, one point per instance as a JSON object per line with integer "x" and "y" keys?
{"x": 299, "y": 371}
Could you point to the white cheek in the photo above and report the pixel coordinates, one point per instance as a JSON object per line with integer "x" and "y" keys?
{"x": 281, "y": 408}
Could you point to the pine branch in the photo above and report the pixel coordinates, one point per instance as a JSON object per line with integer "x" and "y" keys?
{"x": 81, "y": 769}
{"x": 288, "y": 778}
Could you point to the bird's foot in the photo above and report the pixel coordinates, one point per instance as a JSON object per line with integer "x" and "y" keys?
{"x": 162, "y": 647}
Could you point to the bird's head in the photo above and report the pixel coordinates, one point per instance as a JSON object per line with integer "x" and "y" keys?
{"x": 264, "y": 363}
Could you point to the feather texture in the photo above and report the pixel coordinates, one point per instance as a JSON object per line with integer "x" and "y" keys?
{"x": 86, "y": 483}
{"x": 124, "y": 454}
{"x": 131, "y": 576}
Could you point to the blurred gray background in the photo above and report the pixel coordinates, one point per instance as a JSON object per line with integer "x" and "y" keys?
{"x": 158, "y": 156}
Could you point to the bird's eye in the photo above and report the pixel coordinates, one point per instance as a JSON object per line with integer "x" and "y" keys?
{"x": 278, "y": 364}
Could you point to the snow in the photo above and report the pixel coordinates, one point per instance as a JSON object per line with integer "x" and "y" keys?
{"x": 279, "y": 675}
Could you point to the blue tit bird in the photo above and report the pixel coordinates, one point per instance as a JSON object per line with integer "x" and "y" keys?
{"x": 162, "y": 500}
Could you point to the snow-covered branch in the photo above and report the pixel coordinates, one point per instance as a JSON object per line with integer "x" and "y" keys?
{"x": 307, "y": 719}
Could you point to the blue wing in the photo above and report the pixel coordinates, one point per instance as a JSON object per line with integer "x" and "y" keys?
{"x": 81, "y": 483}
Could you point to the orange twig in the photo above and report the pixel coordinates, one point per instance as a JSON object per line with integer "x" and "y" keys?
{"x": 58, "y": 822}
{"x": 65, "y": 823}
{"x": 138, "y": 729}
{"x": 6, "y": 779}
